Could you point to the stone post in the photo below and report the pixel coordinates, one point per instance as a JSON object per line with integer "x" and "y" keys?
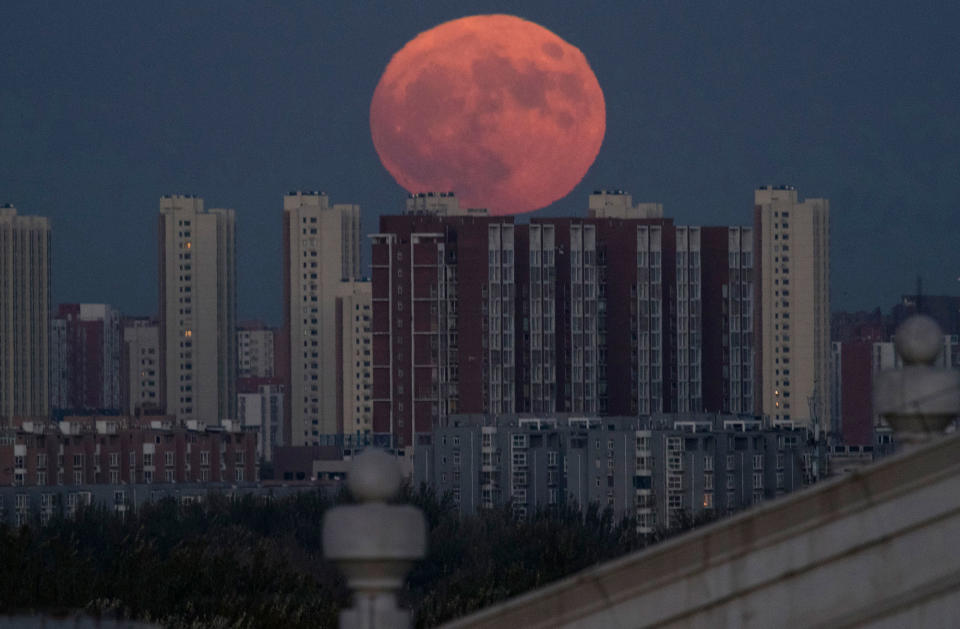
{"x": 374, "y": 543}
{"x": 919, "y": 400}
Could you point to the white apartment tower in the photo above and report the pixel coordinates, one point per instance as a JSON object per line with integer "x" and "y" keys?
{"x": 24, "y": 315}
{"x": 198, "y": 310}
{"x": 794, "y": 297}
{"x": 321, "y": 243}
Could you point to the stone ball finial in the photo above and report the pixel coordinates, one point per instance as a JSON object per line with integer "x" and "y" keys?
{"x": 918, "y": 340}
{"x": 374, "y": 476}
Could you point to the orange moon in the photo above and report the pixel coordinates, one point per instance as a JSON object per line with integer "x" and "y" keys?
{"x": 498, "y": 109}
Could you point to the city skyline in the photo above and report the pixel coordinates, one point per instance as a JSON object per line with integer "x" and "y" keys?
{"x": 787, "y": 95}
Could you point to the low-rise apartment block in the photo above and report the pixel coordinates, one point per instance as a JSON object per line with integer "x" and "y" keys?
{"x": 657, "y": 470}
{"x": 99, "y": 450}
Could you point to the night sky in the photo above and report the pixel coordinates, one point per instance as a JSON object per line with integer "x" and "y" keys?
{"x": 106, "y": 106}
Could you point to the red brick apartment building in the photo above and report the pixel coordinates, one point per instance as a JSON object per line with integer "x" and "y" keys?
{"x": 617, "y": 313}
{"x": 120, "y": 450}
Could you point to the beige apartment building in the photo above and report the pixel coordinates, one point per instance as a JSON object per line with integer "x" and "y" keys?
{"x": 255, "y": 350}
{"x": 321, "y": 262}
{"x": 140, "y": 367}
{"x": 24, "y": 315}
{"x": 793, "y": 245}
{"x": 355, "y": 357}
{"x": 198, "y": 310}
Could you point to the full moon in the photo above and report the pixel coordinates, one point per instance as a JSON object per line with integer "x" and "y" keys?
{"x": 498, "y": 109}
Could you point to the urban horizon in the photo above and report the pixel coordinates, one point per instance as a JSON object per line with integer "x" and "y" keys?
{"x": 272, "y": 313}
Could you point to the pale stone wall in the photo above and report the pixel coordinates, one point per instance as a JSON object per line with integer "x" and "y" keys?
{"x": 876, "y": 548}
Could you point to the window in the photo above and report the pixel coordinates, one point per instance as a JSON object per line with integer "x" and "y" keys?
{"x": 168, "y": 459}
{"x": 238, "y": 474}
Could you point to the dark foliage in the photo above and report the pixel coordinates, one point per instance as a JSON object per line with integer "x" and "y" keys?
{"x": 256, "y": 563}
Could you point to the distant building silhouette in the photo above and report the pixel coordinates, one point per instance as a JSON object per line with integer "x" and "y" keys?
{"x": 25, "y": 268}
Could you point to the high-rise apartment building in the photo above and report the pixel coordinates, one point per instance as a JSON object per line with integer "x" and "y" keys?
{"x": 792, "y": 241}
{"x": 443, "y": 316}
{"x": 603, "y": 315}
{"x": 198, "y": 310}
{"x": 355, "y": 360}
{"x": 140, "y": 367}
{"x": 24, "y": 315}
{"x": 255, "y": 350}
{"x": 86, "y": 346}
{"x": 321, "y": 261}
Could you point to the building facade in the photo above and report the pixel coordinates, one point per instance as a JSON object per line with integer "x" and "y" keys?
{"x": 321, "y": 262}
{"x": 355, "y": 364}
{"x": 86, "y": 344}
{"x": 657, "y": 470}
{"x": 255, "y": 350}
{"x": 114, "y": 450}
{"x": 792, "y": 241}
{"x": 619, "y": 313}
{"x": 25, "y": 267}
{"x": 198, "y": 310}
{"x": 260, "y": 407}
{"x": 140, "y": 367}
{"x": 443, "y": 317}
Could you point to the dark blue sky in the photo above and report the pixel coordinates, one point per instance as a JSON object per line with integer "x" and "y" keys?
{"x": 106, "y": 106}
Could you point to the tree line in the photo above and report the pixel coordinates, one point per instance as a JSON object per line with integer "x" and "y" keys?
{"x": 251, "y": 562}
